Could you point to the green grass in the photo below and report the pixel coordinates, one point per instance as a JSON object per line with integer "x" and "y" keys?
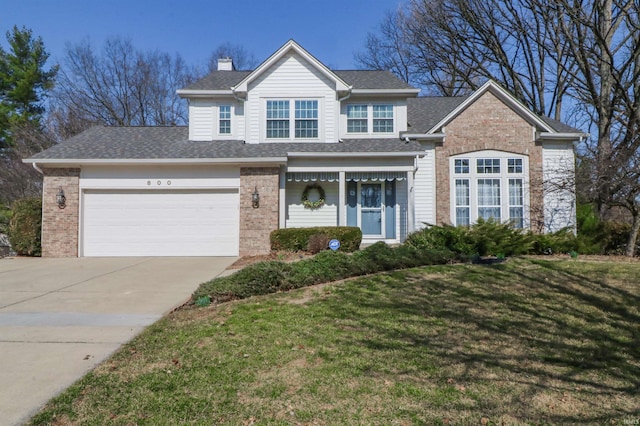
{"x": 524, "y": 342}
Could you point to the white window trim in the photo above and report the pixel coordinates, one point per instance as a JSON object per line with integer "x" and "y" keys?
{"x": 503, "y": 176}
{"x": 231, "y": 120}
{"x": 292, "y": 119}
{"x": 370, "y": 119}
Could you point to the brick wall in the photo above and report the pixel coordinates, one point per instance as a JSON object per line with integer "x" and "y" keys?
{"x": 257, "y": 224}
{"x": 489, "y": 124}
{"x": 60, "y": 226}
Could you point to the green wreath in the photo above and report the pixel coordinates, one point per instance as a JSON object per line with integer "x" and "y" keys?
{"x": 313, "y": 205}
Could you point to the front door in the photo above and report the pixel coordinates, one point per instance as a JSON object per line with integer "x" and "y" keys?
{"x": 371, "y": 210}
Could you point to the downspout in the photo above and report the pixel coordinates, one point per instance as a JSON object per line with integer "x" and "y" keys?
{"x": 38, "y": 169}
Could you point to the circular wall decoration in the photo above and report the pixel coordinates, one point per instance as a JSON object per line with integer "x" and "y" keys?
{"x": 313, "y": 205}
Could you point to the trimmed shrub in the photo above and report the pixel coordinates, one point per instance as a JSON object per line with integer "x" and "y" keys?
{"x": 25, "y": 226}
{"x": 297, "y": 239}
{"x": 273, "y": 276}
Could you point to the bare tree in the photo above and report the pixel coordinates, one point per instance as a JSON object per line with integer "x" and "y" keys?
{"x": 122, "y": 86}
{"x": 574, "y": 60}
{"x": 242, "y": 59}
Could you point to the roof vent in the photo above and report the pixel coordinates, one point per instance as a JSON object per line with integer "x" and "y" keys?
{"x": 225, "y": 64}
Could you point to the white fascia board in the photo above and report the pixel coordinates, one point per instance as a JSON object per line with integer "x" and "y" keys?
{"x": 149, "y": 161}
{"x": 562, "y": 136}
{"x": 355, "y": 154}
{"x": 503, "y": 95}
{"x": 385, "y": 92}
{"x": 424, "y": 136}
{"x": 242, "y": 87}
{"x": 184, "y": 93}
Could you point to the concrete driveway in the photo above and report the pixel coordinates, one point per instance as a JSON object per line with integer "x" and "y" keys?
{"x": 59, "y": 318}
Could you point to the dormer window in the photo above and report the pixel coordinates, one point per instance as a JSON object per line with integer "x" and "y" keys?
{"x": 370, "y": 119}
{"x": 304, "y": 122}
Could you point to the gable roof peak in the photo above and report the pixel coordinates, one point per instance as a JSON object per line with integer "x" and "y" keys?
{"x": 289, "y": 46}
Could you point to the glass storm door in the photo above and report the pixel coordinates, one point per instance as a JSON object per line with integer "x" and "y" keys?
{"x": 371, "y": 210}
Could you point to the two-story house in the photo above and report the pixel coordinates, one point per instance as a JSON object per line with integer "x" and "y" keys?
{"x": 296, "y": 144}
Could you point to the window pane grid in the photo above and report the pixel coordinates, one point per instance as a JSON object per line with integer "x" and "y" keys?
{"x": 225, "y": 119}
{"x": 514, "y": 165}
{"x": 277, "y": 109}
{"x": 462, "y": 202}
{"x": 516, "y": 203}
{"x": 383, "y": 118}
{"x": 489, "y": 199}
{"x": 461, "y": 166}
{"x": 488, "y": 165}
{"x": 306, "y": 128}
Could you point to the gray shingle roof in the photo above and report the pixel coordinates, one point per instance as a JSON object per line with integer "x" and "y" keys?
{"x": 372, "y": 79}
{"x": 136, "y": 143}
{"x": 359, "y": 79}
{"x": 425, "y": 112}
{"x": 559, "y": 126}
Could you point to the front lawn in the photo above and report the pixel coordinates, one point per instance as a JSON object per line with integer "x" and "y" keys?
{"x": 525, "y": 342}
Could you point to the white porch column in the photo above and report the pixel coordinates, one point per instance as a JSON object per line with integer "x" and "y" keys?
{"x": 282, "y": 199}
{"x": 411, "y": 211}
{"x": 342, "y": 192}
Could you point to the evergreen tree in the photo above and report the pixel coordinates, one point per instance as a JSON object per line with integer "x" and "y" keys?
{"x": 24, "y": 82}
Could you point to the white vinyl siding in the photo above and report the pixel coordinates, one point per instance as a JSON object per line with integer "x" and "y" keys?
{"x": 160, "y": 223}
{"x": 292, "y": 78}
{"x": 558, "y": 164}
{"x": 424, "y": 189}
{"x": 297, "y": 216}
{"x": 211, "y": 120}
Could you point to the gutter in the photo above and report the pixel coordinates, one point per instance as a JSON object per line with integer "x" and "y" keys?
{"x": 423, "y": 136}
{"x": 151, "y": 161}
{"x": 562, "y": 136}
{"x": 356, "y": 154}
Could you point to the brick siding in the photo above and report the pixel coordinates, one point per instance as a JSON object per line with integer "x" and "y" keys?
{"x": 256, "y": 224}
{"x": 489, "y": 124}
{"x": 60, "y": 226}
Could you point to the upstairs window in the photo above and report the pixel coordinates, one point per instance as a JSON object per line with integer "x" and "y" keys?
{"x": 383, "y": 119}
{"x": 357, "y": 119}
{"x": 301, "y": 115}
{"x": 374, "y": 118}
{"x": 306, "y": 119}
{"x": 224, "y": 116}
{"x": 277, "y": 119}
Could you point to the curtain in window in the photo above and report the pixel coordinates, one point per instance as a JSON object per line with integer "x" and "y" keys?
{"x": 489, "y": 199}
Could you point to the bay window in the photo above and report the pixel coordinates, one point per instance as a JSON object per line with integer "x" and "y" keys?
{"x": 489, "y": 185}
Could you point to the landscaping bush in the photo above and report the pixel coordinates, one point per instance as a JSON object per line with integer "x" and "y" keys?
{"x": 484, "y": 238}
{"x": 297, "y": 239}
{"x": 560, "y": 242}
{"x": 25, "y": 226}
{"x": 273, "y": 276}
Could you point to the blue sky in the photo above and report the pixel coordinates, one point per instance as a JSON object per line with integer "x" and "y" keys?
{"x": 331, "y": 30}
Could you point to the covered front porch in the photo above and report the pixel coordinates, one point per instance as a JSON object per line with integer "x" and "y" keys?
{"x": 380, "y": 203}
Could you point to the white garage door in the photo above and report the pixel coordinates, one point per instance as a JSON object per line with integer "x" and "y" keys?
{"x": 160, "y": 223}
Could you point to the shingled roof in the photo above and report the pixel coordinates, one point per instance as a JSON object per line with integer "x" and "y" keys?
{"x": 138, "y": 143}
{"x": 359, "y": 79}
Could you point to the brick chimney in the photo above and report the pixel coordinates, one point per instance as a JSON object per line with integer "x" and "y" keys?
{"x": 225, "y": 64}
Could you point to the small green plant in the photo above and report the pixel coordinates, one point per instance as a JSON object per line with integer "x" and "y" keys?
{"x": 573, "y": 254}
{"x": 203, "y": 301}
